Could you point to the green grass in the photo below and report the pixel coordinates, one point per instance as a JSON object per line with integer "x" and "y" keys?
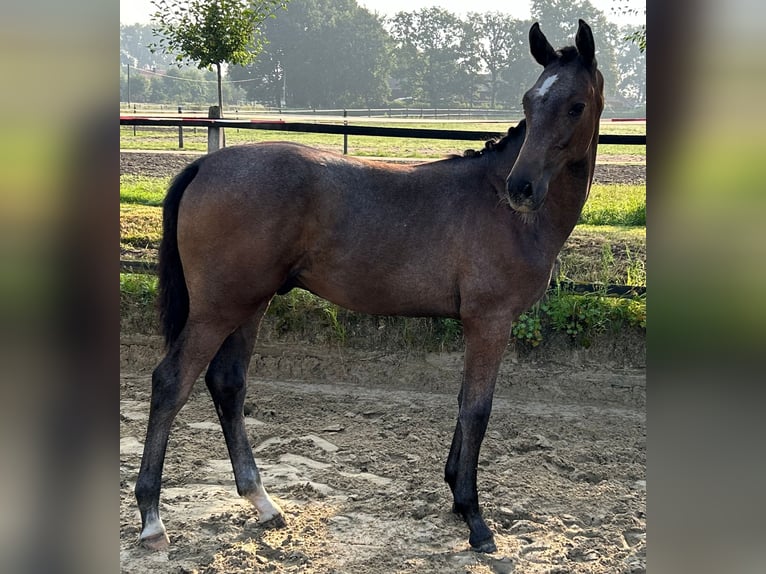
{"x": 605, "y": 254}
{"x": 582, "y": 317}
{"x": 615, "y": 204}
{"x": 140, "y": 226}
{"x": 143, "y": 190}
{"x": 195, "y": 139}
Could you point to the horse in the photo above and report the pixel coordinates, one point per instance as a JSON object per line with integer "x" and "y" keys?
{"x": 471, "y": 237}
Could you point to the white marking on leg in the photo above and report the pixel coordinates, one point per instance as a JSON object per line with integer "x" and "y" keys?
{"x": 266, "y": 507}
{"x": 549, "y": 81}
{"x": 153, "y": 526}
{"x": 154, "y": 536}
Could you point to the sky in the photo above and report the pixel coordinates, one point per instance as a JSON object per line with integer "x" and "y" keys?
{"x": 138, "y": 11}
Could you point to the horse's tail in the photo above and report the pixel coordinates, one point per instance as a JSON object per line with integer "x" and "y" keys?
{"x": 173, "y": 299}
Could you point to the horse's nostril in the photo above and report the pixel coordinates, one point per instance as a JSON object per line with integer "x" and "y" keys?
{"x": 526, "y": 191}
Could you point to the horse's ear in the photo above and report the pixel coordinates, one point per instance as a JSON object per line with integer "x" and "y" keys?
{"x": 585, "y": 44}
{"x": 541, "y": 49}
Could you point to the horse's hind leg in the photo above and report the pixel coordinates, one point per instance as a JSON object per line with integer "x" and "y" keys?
{"x": 226, "y": 381}
{"x": 172, "y": 383}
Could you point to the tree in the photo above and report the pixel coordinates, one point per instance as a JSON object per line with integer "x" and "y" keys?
{"x": 638, "y": 35}
{"x": 431, "y": 45}
{"x": 558, "y": 19}
{"x": 631, "y": 62}
{"x": 212, "y": 32}
{"x": 135, "y": 40}
{"x": 501, "y": 41}
{"x": 320, "y": 53}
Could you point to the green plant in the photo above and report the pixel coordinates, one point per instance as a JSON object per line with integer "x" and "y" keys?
{"x": 636, "y": 311}
{"x": 607, "y": 262}
{"x": 636, "y": 269}
{"x": 331, "y": 312}
{"x": 528, "y": 327}
{"x": 211, "y": 33}
{"x": 579, "y": 316}
{"x": 140, "y": 288}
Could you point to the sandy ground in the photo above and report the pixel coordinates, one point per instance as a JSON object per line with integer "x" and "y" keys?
{"x": 352, "y": 445}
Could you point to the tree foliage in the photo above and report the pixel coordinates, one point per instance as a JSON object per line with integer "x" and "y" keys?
{"x": 212, "y": 32}
{"x": 334, "y": 53}
{"x": 135, "y": 40}
{"x": 637, "y": 35}
{"x": 431, "y": 46}
{"x": 501, "y": 41}
{"x": 321, "y": 53}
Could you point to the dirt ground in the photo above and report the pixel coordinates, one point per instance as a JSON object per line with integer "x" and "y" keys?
{"x": 352, "y": 445}
{"x": 622, "y": 169}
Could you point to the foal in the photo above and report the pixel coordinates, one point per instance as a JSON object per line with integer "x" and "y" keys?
{"x": 473, "y": 238}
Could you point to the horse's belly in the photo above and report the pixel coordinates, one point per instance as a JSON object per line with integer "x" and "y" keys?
{"x": 364, "y": 291}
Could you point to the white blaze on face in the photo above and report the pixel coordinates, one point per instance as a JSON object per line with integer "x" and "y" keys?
{"x": 549, "y": 81}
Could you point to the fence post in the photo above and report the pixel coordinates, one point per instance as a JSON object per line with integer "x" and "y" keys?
{"x": 345, "y": 134}
{"x": 180, "y": 132}
{"x": 214, "y": 133}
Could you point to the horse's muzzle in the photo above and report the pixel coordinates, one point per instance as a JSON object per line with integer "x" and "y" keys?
{"x": 523, "y": 195}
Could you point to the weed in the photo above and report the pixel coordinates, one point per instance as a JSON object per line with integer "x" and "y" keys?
{"x": 579, "y": 316}
{"x": 141, "y": 288}
{"x": 528, "y": 327}
{"x": 636, "y": 269}
{"x": 447, "y": 332}
{"x": 331, "y": 312}
{"x": 607, "y": 262}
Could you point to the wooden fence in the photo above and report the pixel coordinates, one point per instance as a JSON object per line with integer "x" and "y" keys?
{"x": 214, "y": 127}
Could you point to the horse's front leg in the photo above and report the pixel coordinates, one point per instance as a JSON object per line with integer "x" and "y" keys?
{"x": 485, "y": 342}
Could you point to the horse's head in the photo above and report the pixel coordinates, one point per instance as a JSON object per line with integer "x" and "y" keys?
{"x": 562, "y": 113}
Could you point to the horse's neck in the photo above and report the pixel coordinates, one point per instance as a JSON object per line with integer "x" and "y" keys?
{"x": 567, "y": 195}
{"x": 499, "y": 165}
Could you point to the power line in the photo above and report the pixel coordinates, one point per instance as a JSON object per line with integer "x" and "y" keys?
{"x": 153, "y": 73}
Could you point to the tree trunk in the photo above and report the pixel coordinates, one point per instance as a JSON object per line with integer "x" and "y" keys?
{"x": 493, "y": 89}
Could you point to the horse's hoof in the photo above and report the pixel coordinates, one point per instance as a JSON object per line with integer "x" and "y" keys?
{"x": 158, "y": 541}
{"x": 486, "y": 547}
{"x": 274, "y": 522}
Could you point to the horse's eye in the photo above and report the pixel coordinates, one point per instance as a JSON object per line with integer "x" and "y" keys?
{"x": 576, "y": 110}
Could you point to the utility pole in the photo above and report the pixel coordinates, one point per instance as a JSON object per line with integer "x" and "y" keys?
{"x": 128, "y": 84}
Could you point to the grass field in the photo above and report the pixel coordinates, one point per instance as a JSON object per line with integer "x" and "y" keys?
{"x": 195, "y": 139}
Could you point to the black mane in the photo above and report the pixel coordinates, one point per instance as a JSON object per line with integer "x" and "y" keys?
{"x": 496, "y": 144}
